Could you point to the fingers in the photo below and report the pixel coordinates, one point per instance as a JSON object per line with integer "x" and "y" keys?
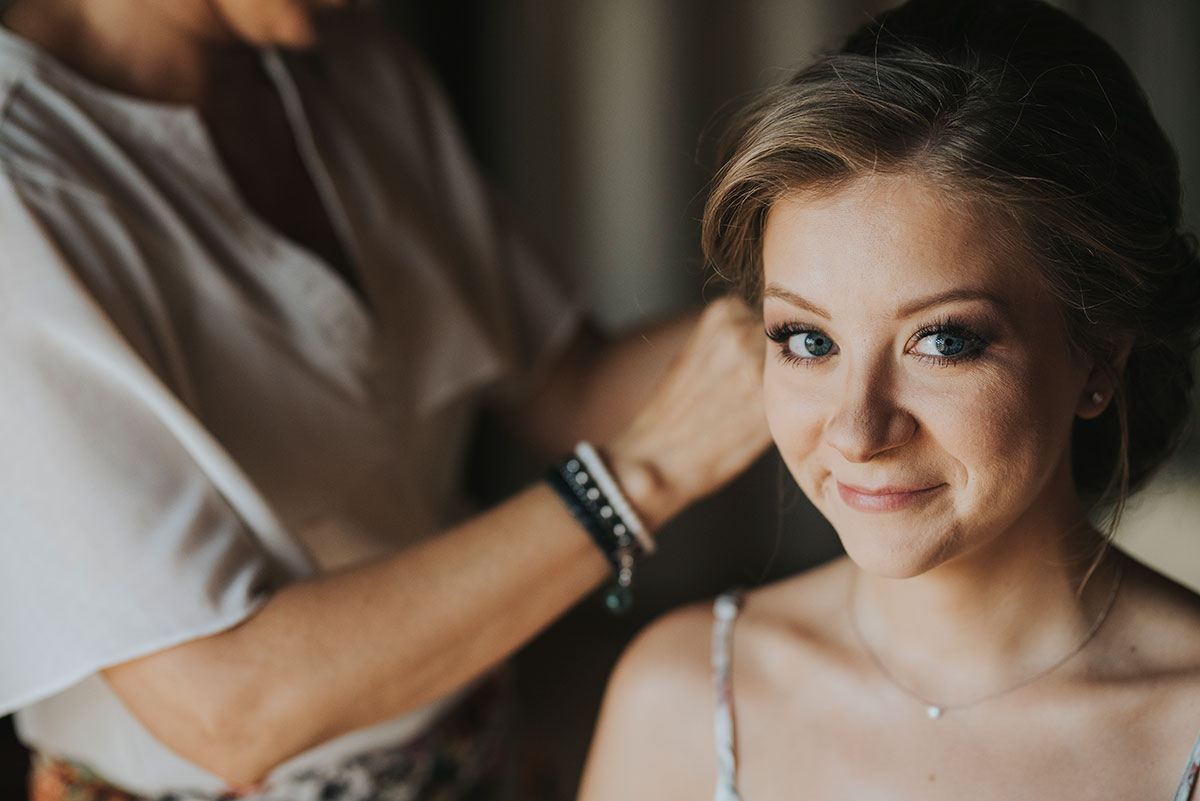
{"x": 705, "y": 423}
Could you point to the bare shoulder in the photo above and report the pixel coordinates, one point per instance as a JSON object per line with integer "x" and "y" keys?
{"x": 672, "y": 658}
{"x": 656, "y": 737}
{"x": 1160, "y": 619}
{"x": 655, "y": 734}
{"x": 1154, "y": 646}
{"x": 793, "y": 627}
{"x": 671, "y": 655}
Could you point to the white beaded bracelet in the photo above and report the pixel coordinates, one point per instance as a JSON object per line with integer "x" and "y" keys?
{"x": 595, "y": 466}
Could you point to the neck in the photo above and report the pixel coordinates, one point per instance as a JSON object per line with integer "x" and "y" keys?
{"x": 991, "y": 618}
{"x": 162, "y": 51}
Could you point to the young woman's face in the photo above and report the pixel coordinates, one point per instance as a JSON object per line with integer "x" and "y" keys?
{"x": 918, "y": 384}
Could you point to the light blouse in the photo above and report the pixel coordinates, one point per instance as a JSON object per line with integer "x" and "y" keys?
{"x": 194, "y": 410}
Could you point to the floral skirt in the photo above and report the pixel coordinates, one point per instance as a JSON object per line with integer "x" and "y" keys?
{"x": 470, "y": 754}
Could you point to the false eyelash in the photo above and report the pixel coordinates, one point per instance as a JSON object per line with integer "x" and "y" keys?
{"x": 780, "y": 333}
{"x": 951, "y": 325}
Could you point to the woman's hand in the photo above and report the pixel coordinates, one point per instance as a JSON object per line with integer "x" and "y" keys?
{"x": 704, "y": 424}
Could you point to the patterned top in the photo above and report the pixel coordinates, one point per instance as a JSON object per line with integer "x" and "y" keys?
{"x": 725, "y": 611}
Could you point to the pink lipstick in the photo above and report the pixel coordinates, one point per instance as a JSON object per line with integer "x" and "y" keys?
{"x": 883, "y": 499}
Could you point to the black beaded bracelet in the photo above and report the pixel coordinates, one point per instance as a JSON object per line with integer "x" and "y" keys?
{"x": 590, "y": 523}
{"x": 609, "y": 531}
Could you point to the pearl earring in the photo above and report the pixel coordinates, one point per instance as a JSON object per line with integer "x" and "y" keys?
{"x": 1097, "y": 398}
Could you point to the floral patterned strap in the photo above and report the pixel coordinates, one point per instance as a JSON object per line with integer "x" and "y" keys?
{"x": 1188, "y": 783}
{"x": 725, "y": 611}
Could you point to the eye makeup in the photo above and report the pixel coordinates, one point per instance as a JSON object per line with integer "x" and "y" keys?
{"x": 814, "y": 339}
{"x": 953, "y": 342}
{"x": 950, "y": 342}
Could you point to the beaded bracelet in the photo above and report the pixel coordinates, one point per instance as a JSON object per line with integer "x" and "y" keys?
{"x": 608, "y": 486}
{"x": 595, "y": 500}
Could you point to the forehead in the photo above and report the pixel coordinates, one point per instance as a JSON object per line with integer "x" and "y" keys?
{"x": 888, "y": 237}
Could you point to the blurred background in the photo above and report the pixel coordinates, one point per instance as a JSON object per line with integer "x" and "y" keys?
{"x": 590, "y": 118}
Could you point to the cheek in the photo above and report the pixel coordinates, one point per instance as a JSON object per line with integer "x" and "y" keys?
{"x": 1006, "y": 433}
{"x": 792, "y": 401}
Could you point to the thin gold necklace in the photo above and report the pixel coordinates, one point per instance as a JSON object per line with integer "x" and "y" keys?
{"x": 935, "y": 710}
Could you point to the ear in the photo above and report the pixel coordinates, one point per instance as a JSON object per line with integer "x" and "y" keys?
{"x": 1102, "y": 379}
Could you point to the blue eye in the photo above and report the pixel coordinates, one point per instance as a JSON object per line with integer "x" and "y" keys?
{"x": 948, "y": 344}
{"x": 809, "y": 344}
{"x": 799, "y": 343}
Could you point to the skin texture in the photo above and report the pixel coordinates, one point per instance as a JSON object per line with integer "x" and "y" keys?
{"x": 675, "y": 408}
{"x": 884, "y": 410}
{"x": 968, "y": 552}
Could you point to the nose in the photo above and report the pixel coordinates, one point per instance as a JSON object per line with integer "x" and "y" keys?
{"x": 868, "y": 420}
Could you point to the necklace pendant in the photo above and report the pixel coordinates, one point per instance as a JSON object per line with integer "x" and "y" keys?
{"x": 933, "y": 712}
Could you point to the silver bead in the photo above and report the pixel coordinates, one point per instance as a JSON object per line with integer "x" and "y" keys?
{"x": 726, "y": 608}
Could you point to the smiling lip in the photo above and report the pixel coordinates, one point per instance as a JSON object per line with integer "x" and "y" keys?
{"x": 883, "y": 499}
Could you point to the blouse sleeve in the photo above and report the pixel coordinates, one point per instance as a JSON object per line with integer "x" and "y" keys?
{"x": 469, "y": 300}
{"x": 126, "y": 529}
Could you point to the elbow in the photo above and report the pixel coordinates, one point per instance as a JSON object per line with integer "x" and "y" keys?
{"x": 232, "y": 758}
{"x": 238, "y": 739}
{"x": 217, "y": 719}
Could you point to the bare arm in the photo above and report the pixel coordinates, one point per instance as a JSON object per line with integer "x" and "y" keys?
{"x": 343, "y": 651}
{"x": 655, "y": 737}
{"x": 346, "y": 650}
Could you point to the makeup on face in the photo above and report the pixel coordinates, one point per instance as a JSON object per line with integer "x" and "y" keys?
{"x": 890, "y": 498}
{"x": 918, "y": 383}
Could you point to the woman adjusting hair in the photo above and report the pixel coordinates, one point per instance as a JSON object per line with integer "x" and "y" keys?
{"x": 253, "y": 295}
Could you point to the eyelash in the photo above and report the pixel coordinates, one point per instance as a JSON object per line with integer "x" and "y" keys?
{"x": 974, "y": 348}
{"x": 781, "y": 333}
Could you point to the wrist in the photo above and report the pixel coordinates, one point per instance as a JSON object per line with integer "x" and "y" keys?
{"x": 647, "y": 487}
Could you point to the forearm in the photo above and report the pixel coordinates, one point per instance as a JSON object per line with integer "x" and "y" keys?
{"x": 339, "y": 652}
{"x": 346, "y": 650}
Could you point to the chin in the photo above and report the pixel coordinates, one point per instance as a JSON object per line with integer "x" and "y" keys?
{"x": 896, "y": 542}
{"x": 892, "y": 563}
{"x": 902, "y": 547}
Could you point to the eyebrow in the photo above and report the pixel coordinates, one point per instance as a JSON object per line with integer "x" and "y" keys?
{"x": 907, "y": 310}
{"x": 776, "y": 291}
